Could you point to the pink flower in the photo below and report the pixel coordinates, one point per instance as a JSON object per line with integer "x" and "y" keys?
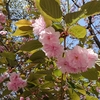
{"x": 3, "y": 32}
{"x": 98, "y": 89}
{"x": 27, "y": 98}
{"x": 2, "y": 18}
{"x": 2, "y": 48}
{"x": 22, "y": 83}
{"x": 14, "y": 76}
{"x": 64, "y": 66}
{"x": 22, "y": 98}
{"x": 1, "y": 79}
{"x": 16, "y": 82}
{"x": 39, "y": 25}
{"x": 77, "y": 60}
{"x": 53, "y": 49}
{"x": 13, "y": 86}
{"x": 92, "y": 57}
{"x": 1, "y": 27}
{"x": 49, "y": 35}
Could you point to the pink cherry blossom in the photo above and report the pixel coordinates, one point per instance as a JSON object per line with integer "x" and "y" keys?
{"x": 2, "y": 18}
{"x": 1, "y": 79}
{"x": 2, "y": 48}
{"x": 1, "y": 27}
{"x": 16, "y": 82}
{"x": 12, "y": 86}
{"x": 64, "y": 66}
{"x": 49, "y": 36}
{"x": 39, "y": 25}
{"x": 53, "y": 49}
{"x": 3, "y": 32}
{"x": 14, "y": 76}
{"x": 27, "y": 98}
{"x": 92, "y": 57}
{"x": 77, "y": 60}
{"x": 22, "y": 98}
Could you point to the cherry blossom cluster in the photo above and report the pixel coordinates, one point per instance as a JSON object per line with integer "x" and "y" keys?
{"x": 2, "y": 20}
{"x": 16, "y": 82}
{"x": 74, "y": 61}
{"x": 77, "y": 60}
{"x": 27, "y": 98}
{"x": 48, "y": 37}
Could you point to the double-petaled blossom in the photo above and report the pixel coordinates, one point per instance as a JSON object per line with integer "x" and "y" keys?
{"x": 50, "y": 41}
{"x": 2, "y": 18}
{"x": 49, "y": 36}
{"x": 53, "y": 50}
{"x": 38, "y": 25}
{"x": 16, "y": 82}
{"x": 77, "y": 60}
{"x": 3, "y": 32}
{"x": 27, "y": 98}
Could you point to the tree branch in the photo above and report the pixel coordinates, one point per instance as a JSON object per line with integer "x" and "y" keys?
{"x": 89, "y": 26}
{"x": 92, "y": 31}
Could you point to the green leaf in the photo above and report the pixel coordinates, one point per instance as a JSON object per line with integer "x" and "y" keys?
{"x": 38, "y": 57}
{"x": 20, "y": 32}
{"x": 47, "y": 84}
{"x": 91, "y": 74}
{"x": 91, "y": 8}
{"x": 76, "y": 76}
{"x": 31, "y": 45}
{"x": 2, "y": 70}
{"x": 3, "y": 60}
{"x": 50, "y": 9}
{"x": 9, "y": 55}
{"x": 77, "y": 31}
{"x": 26, "y": 93}
{"x": 90, "y": 98}
{"x": 88, "y": 9}
{"x": 58, "y": 27}
{"x": 49, "y": 78}
{"x": 81, "y": 91}
{"x": 34, "y": 76}
{"x": 57, "y": 72}
{"x": 26, "y": 28}
{"x": 97, "y": 66}
{"x": 72, "y": 18}
{"x": 73, "y": 95}
{"x": 23, "y": 22}
{"x": 6, "y": 92}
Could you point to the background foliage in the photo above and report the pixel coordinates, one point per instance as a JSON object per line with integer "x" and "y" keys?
{"x": 22, "y": 51}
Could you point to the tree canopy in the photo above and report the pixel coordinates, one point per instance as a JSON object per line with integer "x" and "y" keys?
{"x": 49, "y": 50}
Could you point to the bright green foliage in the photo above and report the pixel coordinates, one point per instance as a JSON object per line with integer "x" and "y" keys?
{"x": 49, "y": 9}
{"x": 89, "y": 9}
{"x": 23, "y": 32}
{"x": 91, "y": 74}
{"x": 77, "y": 31}
{"x": 45, "y": 81}
{"x": 91, "y": 98}
{"x": 73, "y": 95}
